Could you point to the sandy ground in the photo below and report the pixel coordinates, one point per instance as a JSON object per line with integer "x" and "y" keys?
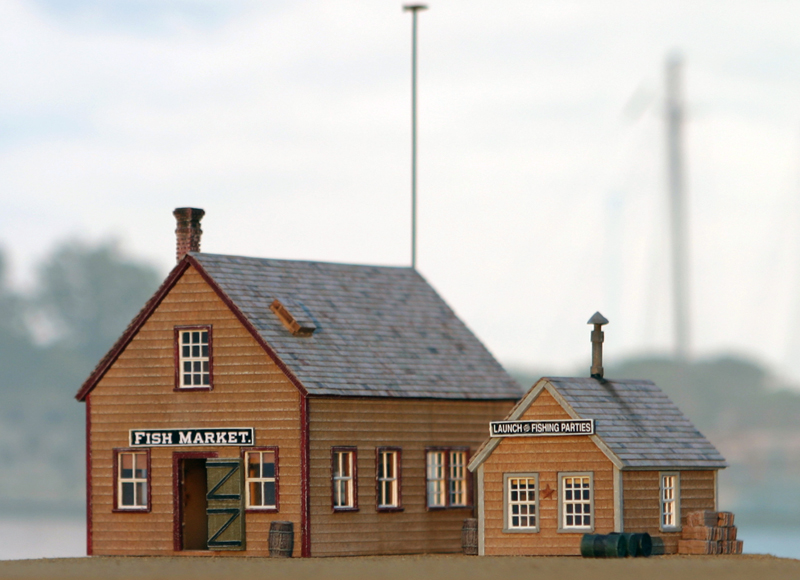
{"x": 404, "y": 568}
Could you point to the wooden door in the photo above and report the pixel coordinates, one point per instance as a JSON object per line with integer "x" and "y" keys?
{"x": 225, "y": 497}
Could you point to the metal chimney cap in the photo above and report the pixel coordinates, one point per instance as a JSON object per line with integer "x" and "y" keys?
{"x": 598, "y": 318}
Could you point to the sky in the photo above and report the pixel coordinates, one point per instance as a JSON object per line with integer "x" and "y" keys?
{"x": 541, "y": 179}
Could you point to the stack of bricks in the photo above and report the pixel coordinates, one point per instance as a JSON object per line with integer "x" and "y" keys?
{"x": 708, "y": 532}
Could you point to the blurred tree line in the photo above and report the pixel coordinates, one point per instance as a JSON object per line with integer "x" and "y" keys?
{"x": 50, "y": 340}
{"x": 84, "y": 296}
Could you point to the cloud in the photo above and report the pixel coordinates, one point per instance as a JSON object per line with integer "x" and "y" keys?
{"x": 539, "y": 203}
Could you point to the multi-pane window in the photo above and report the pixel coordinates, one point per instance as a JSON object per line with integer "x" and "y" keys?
{"x": 670, "y": 490}
{"x": 576, "y": 502}
{"x": 388, "y": 481}
{"x": 344, "y": 478}
{"x": 194, "y": 361}
{"x": 436, "y": 479}
{"x": 521, "y": 503}
{"x": 446, "y": 474}
{"x": 132, "y": 480}
{"x": 261, "y": 480}
{"x": 458, "y": 478}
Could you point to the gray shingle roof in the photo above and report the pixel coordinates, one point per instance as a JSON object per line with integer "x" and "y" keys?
{"x": 634, "y": 419}
{"x": 639, "y": 423}
{"x": 380, "y": 331}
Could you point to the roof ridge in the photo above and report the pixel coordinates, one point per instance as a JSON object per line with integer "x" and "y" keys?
{"x": 201, "y": 255}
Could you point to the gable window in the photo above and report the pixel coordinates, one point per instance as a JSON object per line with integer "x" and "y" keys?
{"x": 387, "y": 474}
{"x": 193, "y": 357}
{"x": 447, "y": 484}
{"x": 670, "y": 501}
{"x": 343, "y": 478}
{"x": 262, "y": 479}
{"x": 132, "y": 480}
{"x": 576, "y": 501}
{"x": 521, "y": 499}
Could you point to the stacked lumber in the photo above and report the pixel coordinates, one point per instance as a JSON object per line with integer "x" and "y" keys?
{"x": 709, "y": 533}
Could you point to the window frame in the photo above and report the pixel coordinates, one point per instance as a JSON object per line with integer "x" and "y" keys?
{"x": 261, "y": 509}
{"x": 116, "y": 507}
{"x": 676, "y": 501}
{"x": 354, "y": 477}
{"x": 179, "y": 371}
{"x": 507, "y": 529}
{"x": 447, "y": 479}
{"x": 562, "y": 527}
{"x": 398, "y": 480}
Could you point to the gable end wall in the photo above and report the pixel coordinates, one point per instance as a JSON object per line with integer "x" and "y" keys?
{"x": 547, "y": 456}
{"x": 137, "y": 392}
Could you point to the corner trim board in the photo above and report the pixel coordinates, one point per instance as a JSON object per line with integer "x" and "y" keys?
{"x": 481, "y": 515}
{"x": 619, "y": 508}
{"x": 305, "y": 491}
{"x": 89, "y": 548}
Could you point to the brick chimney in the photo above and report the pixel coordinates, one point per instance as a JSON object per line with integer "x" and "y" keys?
{"x": 597, "y": 345}
{"x": 188, "y": 231}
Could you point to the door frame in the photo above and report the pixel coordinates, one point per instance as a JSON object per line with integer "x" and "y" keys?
{"x": 177, "y": 492}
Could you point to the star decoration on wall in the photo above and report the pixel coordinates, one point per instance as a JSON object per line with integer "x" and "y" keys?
{"x": 547, "y": 492}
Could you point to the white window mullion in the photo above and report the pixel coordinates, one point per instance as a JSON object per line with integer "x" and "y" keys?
{"x": 521, "y": 496}
{"x": 343, "y": 479}
{"x": 132, "y": 480}
{"x": 576, "y": 502}
{"x": 670, "y": 501}
{"x": 436, "y": 479}
{"x": 387, "y": 479}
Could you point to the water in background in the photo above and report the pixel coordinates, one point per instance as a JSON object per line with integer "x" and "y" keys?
{"x": 41, "y": 538}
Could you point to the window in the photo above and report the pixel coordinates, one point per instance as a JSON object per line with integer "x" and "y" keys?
{"x": 447, "y": 483}
{"x": 194, "y": 357}
{"x": 262, "y": 479}
{"x": 458, "y": 478}
{"x": 670, "y": 502}
{"x": 132, "y": 480}
{"x": 387, "y": 478}
{"x": 343, "y": 478}
{"x": 576, "y": 502}
{"x": 521, "y": 499}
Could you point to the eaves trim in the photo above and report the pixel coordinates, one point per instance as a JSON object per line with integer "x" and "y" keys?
{"x": 543, "y": 384}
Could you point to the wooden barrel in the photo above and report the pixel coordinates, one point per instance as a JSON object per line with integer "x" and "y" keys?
{"x": 469, "y": 537}
{"x": 281, "y": 539}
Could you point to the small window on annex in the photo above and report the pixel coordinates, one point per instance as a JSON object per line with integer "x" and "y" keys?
{"x": 262, "y": 479}
{"x": 343, "y": 478}
{"x": 194, "y": 358}
{"x": 447, "y": 484}
{"x": 670, "y": 502}
{"x": 387, "y": 473}
{"x": 576, "y": 502}
{"x": 132, "y": 474}
{"x": 520, "y": 500}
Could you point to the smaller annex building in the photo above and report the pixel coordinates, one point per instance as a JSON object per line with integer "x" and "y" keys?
{"x": 590, "y": 455}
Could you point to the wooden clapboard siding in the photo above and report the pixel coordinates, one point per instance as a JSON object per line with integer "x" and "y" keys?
{"x": 547, "y": 456}
{"x": 411, "y": 425}
{"x": 642, "y": 502}
{"x": 138, "y": 392}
